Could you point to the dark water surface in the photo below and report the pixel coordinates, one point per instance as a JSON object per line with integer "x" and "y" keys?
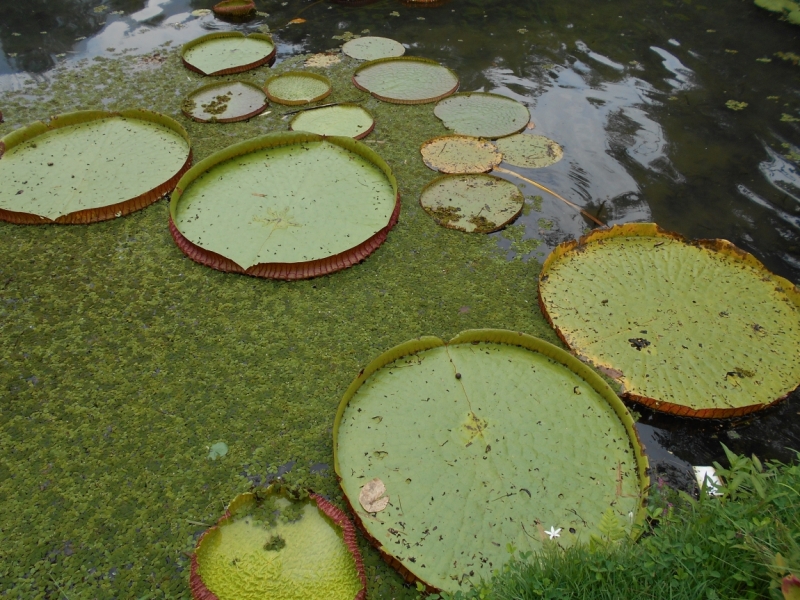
{"x": 636, "y": 93}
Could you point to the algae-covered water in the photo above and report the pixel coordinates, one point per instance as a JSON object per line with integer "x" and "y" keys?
{"x": 122, "y": 362}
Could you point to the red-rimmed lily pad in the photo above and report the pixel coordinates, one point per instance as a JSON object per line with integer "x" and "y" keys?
{"x": 273, "y": 544}
{"x": 348, "y": 120}
{"x": 225, "y": 102}
{"x": 472, "y": 203}
{"x": 373, "y": 48}
{"x": 289, "y": 205}
{"x": 297, "y": 87}
{"x": 227, "y": 52}
{"x": 460, "y": 154}
{"x": 234, "y": 8}
{"x": 90, "y": 166}
{"x": 406, "y": 80}
{"x": 482, "y": 114}
{"x": 482, "y": 443}
{"x": 698, "y": 329}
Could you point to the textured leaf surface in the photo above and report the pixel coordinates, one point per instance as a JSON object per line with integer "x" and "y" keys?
{"x": 346, "y": 119}
{"x": 460, "y": 154}
{"x": 482, "y": 114}
{"x": 697, "y": 329}
{"x": 406, "y": 80}
{"x": 472, "y": 203}
{"x": 88, "y": 165}
{"x": 225, "y": 102}
{"x": 287, "y": 203}
{"x": 294, "y": 555}
{"x": 297, "y": 87}
{"x": 530, "y": 151}
{"x": 373, "y": 48}
{"x": 481, "y": 444}
{"x": 214, "y": 53}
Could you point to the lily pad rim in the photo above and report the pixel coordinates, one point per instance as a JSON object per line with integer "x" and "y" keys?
{"x": 420, "y": 59}
{"x": 497, "y": 336}
{"x": 228, "y": 34}
{"x": 336, "y": 515}
{"x": 309, "y": 74}
{"x": 214, "y": 84}
{"x": 93, "y": 215}
{"x": 444, "y": 176}
{"x": 284, "y": 271}
{"x": 653, "y": 230}
{"x": 459, "y": 94}
{"x": 360, "y": 136}
{"x": 462, "y": 136}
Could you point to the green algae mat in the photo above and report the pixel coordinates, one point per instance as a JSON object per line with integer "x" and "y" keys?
{"x": 373, "y": 48}
{"x": 225, "y": 102}
{"x": 472, "y": 203}
{"x": 297, "y": 87}
{"x": 697, "y": 329}
{"x": 481, "y": 114}
{"x": 287, "y": 206}
{"x": 530, "y": 151}
{"x": 493, "y": 439}
{"x": 90, "y": 166}
{"x": 460, "y": 154}
{"x": 227, "y": 52}
{"x": 348, "y": 120}
{"x": 406, "y": 80}
{"x": 274, "y": 544}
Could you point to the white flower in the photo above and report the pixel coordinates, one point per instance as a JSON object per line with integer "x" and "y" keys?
{"x": 554, "y": 533}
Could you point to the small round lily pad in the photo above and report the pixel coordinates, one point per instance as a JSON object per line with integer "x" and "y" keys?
{"x": 530, "y": 151}
{"x": 406, "y": 80}
{"x": 348, "y": 120}
{"x": 460, "y": 154}
{"x": 234, "y": 8}
{"x": 481, "y": 114}
{"x": 472, "y": 203}
{"x": 276, "y": 544}
{"x": 225, "y": 102}
{"x": 297, "y": 87}
{"x": 226, "y": 52}
{"x": 373, "y": 48}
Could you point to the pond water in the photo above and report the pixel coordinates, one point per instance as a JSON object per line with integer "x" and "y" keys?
{"x": 642, "y": 96}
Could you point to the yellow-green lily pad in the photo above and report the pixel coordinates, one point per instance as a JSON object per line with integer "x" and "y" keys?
{"x": 460, "y": 154}
{"x": 482, "y": 114}
{"x": 373, "y": 48}
{"x": 297, "y": 87}
{"x": 530, "y": 151}
{"x": 406, "y": 80}
{"x": 344, "y": 119}
{"x": 226, "y": 52}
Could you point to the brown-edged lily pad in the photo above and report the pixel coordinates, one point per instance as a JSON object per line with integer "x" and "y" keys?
{"x": 482, "y": 114}
{"x": 234, "y": 8}
{"x": 226, "y": 52}
{"x": 460, "y": 154}
{"x": 225, "y": 102}
{"x": 297, "y": 87}
{"x": 406, "y": 80}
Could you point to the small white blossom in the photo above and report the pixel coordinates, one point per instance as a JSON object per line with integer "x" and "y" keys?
{"x": 554, "y": 533}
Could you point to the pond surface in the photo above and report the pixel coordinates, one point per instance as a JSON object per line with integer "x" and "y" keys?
{"x": 643, "y": 96}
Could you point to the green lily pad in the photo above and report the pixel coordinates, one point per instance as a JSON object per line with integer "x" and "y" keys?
{"x": 344, "y": 119}
{"x": 406, "y": 80}
{"x": 90, "y": 166}
{"x": 530, "y": 151}
{"x": 698, "y": 329}
{"x": 227, "y": 52}
{"x": 472, "y": 203}
{"x": 225, "y": 102}
{"x": 289, "y": 205}
{"x": 217, "y": 450}
{"x": 480, "y": 444}
{"x": 460, "y": 154}
{"x": 481, "y": 114}
{"x": 271, "y": 544}
{"x": 373, "y": 48}
{"x": 297, "y": 87}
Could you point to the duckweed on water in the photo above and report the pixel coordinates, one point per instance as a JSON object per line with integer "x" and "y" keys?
{"x": 121, "y": 360}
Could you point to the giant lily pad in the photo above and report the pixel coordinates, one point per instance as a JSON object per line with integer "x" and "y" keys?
{"x": 290, "y": 205}
{"x": 530, "y": 151}
{"x": 480, "y": 444}
{"x": 344, "y": 119}
{"x": 373, "y": 48}
{"x": 227, "y": 52}
{"x": 297, "y": 87}
{"x": 698, "y": 329}
{"x": 460, "y": 154}
{"x": 472, "y": 203}
{"x": 270, "y": 544}
{"x": 482, "y": 114}
{"x": 90, "y": 166}
{"x": 225, "y": 102}
{"x": 406, "y": 80}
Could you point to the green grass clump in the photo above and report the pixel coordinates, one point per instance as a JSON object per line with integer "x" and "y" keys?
{"x": 737, "y": 545}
